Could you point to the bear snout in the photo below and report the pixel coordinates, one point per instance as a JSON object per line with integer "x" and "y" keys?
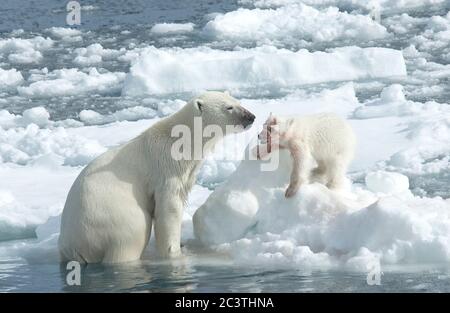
{"x": 248, "y": 118}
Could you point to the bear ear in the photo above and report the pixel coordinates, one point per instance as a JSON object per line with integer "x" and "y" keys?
{"x": 227, "y": 93}
{"x": 198, "y": 104}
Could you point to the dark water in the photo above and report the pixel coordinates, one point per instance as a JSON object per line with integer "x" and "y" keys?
{"x": 36, "y": 15}
{"x": 186, "y": 277}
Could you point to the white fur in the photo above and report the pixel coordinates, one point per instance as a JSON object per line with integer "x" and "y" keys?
{"x": 114, "y": 201}
{"x": 324, "y": 141}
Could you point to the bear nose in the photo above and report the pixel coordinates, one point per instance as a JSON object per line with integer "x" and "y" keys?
{"x": 249, "y": 116}
{"x": 248, "y": 119}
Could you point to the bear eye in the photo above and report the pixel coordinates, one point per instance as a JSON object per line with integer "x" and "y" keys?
{"x": 230, "y": 109}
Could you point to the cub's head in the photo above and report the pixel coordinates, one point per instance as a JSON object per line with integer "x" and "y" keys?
{"x": 275, "y": 129}
{"x": 221, "y": 109}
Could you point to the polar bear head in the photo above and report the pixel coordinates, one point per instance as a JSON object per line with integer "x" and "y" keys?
{"x": 221, "y": 109}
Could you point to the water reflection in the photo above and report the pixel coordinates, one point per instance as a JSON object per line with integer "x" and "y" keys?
{"x": 206, "y": 274}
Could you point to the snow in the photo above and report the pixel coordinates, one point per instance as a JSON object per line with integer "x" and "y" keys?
{"x": 172, "y": 28}
{"x": 34, "y": 138}
{"x": 392, "y": 93}
{"x": 24, "y": 51}
{"x": 320, "y": 227}
{"x": 18, "y": 220}
{"x": 10, "y": 78}
{"x": 392, "y": 102}
{"x": 427, "y": 129}
{"x": 26, "y": 202}
{"x": 198, "y": 69}
{"x": 164, "y": 108}
{"x": 94, "y": 54}
{"x": 435, "y": 36}
{"x": 41, "y": 164}
{"x": 30, "y": 144}
{"x": 431, "y": 152}
{"x": 386, "y": 182}
{"x": 68, "y": 82}
{"x": 36, "y": 115}
{"x": 64, "y": 33}
{"x": 135, "y": 113}
{"x": 377, "y": 221}
{"x": 291, "y": 24}
{"x": 89, "y": 8}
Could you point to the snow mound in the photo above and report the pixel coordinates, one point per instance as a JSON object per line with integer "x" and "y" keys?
{"x": 174, "y": 70}
{"x": 172, "y": 28}
{"x": 245, "y": 201}
{"x": 291, "y": 24}
{"x": 70, "y": 82}
{"x": 249, "y": 217}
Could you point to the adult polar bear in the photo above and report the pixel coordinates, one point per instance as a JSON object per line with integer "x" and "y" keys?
{"x": 110, "y": 207}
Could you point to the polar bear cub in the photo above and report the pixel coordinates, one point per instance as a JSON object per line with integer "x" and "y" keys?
{"x": 113, "y": 203}
{"x": 324, "y": 139}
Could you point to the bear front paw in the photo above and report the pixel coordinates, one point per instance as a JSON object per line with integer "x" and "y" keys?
{"x": 291, "y": 190}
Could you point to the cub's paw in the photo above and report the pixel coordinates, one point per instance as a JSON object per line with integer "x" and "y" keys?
{"x": 291, "y": 190}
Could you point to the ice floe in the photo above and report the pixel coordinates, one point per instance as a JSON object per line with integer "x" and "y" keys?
{"x": 292, "y": 24}
{"x": 164, "y": 71}
{"x": 10, "y": 78}
{"x": 65, "y": 33}
{"x": 68, "y": 82}
{"x": 172, "y": 28}
{"x": 94, "y": 54}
